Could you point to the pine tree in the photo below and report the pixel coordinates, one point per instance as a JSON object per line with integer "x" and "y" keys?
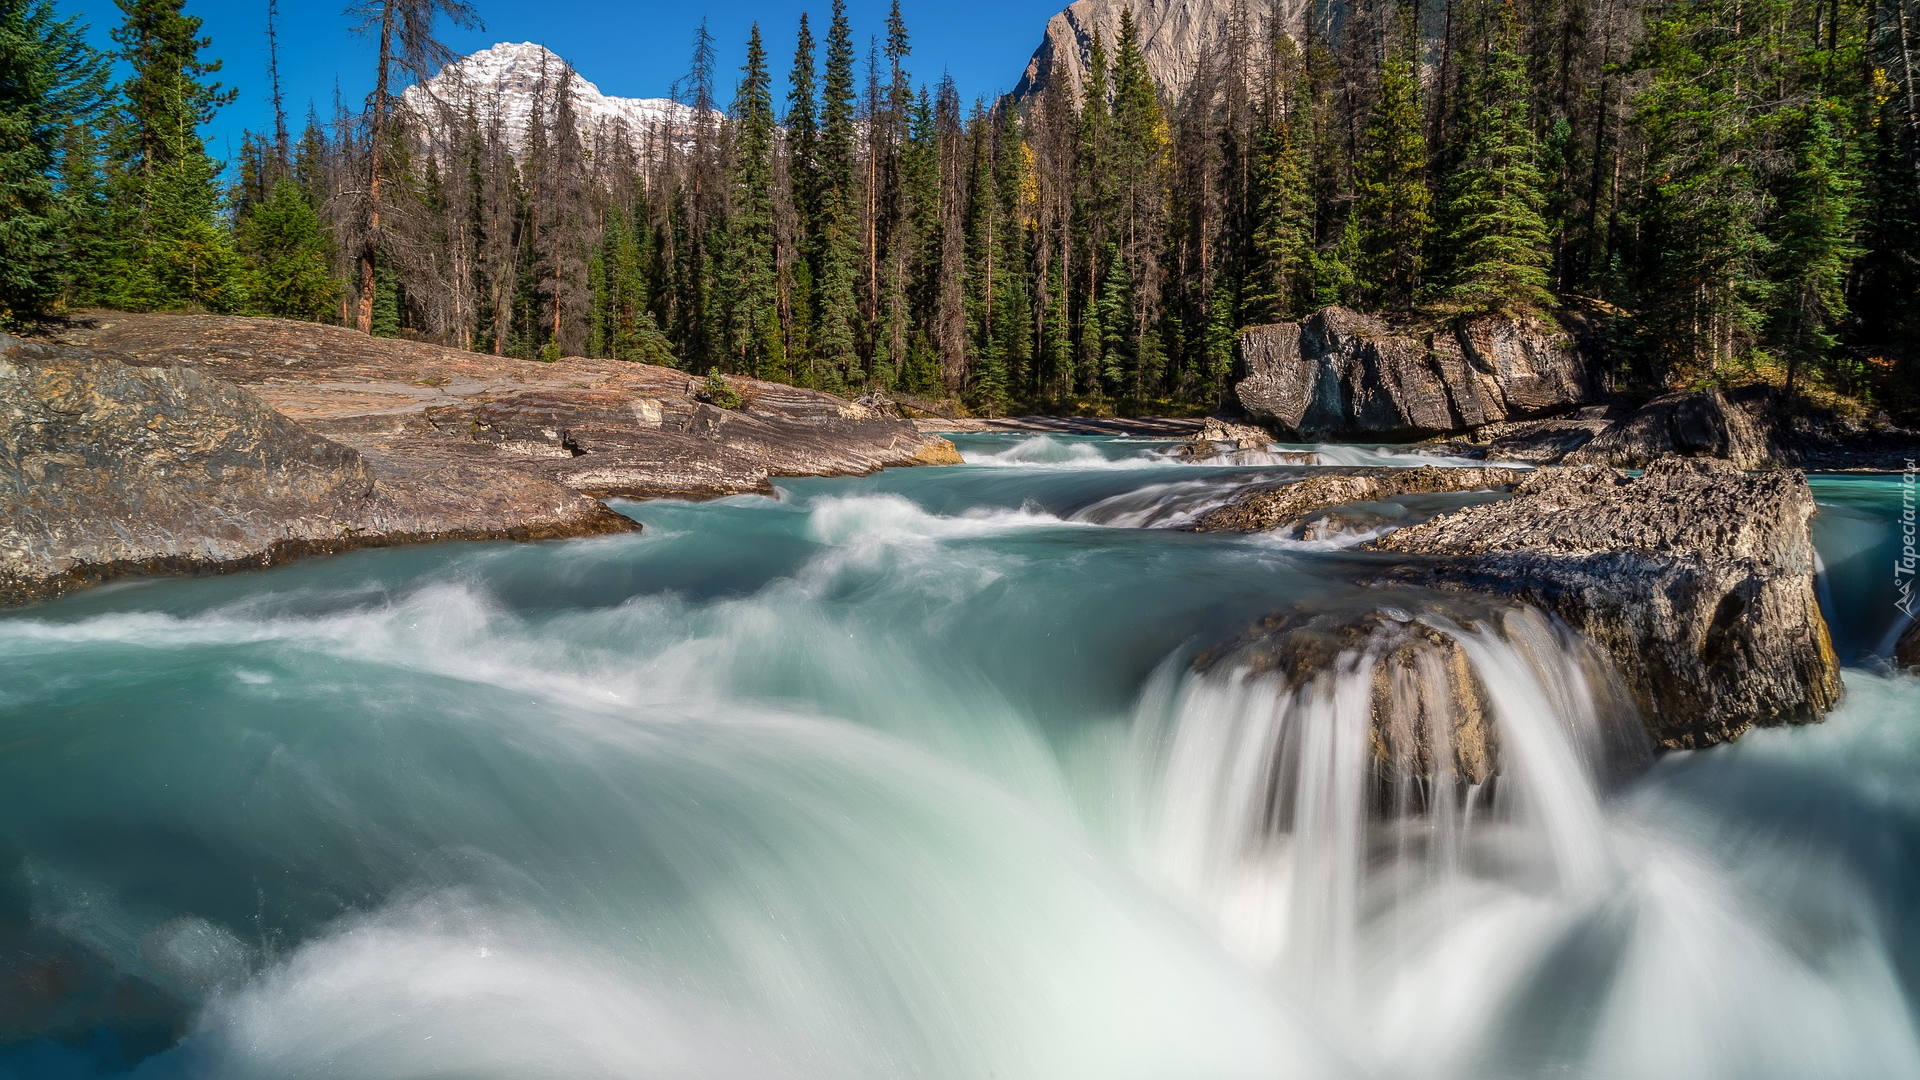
{"x": 753, "y": 316}
{"x": 1497, "y": 231}
{"x": 51, "y": 83}
{"x": 165, "y": 200}
{"x": 836, "y": 333}
{"x": 287, "y": 255}
{"x": 1392, "y": 203}
{"x": 1279, "y": 282}
{"x": 1815, "y": 244}
{"x": 407, "y": 46}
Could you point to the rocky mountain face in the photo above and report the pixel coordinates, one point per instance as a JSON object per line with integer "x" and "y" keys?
{"x": 504, "y": 82}
{"x": 1174, "y": 35}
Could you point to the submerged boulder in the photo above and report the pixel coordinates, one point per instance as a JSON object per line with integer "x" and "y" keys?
{"x": 1340, "y": 373}
{"x": 1430, "y": 714}
{"x": 1697, "y": 580}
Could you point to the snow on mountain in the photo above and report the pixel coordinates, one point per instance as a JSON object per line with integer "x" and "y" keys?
{"x": 506, "y": 80}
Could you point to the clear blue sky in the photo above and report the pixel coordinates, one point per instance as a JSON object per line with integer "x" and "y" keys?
{"x": 632, "y": 49}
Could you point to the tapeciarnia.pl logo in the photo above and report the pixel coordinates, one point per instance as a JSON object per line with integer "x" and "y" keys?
{"x": 1909, "y": 561}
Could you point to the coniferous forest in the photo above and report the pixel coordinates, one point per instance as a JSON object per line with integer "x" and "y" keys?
{"x": 1707, "y": 191}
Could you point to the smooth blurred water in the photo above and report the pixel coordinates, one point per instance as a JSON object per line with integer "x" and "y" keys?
{"x": 909, "y": 776}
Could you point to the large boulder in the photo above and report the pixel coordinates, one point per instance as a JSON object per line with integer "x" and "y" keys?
{"x": 1701, "y": 424}
{"x": 1697, "y": 580}
{"x": 1343, "y": 374}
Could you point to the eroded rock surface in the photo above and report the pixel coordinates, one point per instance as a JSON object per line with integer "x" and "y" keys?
{"x": 1431, "y": 714}
{"x": 108, "y": 469}
{"x": 1340, "y": 373}
{"x": 1286, "y": 505}
{"x": 602, "y": 427}
{"x": 150, "y": 443}
{"x": 1697, "y": 580}
{"x": 1704, "y": 425}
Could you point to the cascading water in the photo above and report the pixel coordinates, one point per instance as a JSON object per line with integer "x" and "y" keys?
{"x": 937, "y": 773}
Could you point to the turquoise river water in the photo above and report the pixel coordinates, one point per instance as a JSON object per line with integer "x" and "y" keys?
{"x": 912, "y": 776}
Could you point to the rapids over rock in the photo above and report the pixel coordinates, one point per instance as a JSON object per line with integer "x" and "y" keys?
{"x": 946, "y": 773}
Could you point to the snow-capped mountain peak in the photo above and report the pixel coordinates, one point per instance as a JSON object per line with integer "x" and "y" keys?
{"x": 506, "y": 81}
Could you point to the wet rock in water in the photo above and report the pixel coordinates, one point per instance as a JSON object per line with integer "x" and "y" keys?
{"x": 1696, "y": 580}
{"x": 1533, "y": 442}
{"x": 1704, "y": 425}
{"x": 108, "y": 469}
{"x": 1431, "y": 715}
{"x": 1906, "y": 653}
{"x": 1340, "y": 373}
{"x": 1222, "y": 438}
{"x": 1288, "y": 505}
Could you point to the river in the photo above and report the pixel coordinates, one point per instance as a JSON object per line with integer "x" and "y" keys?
{"x": 912, "y": 776}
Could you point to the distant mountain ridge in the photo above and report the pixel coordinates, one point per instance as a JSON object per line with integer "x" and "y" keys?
{"x": 505, "y": 81}
{"x": 1174, "y": 34}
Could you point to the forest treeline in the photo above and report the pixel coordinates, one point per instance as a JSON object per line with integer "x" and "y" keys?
{"x": 1713, "y": 190}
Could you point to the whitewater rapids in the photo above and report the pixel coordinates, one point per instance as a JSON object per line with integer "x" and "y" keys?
{"x": 912, "y": 776}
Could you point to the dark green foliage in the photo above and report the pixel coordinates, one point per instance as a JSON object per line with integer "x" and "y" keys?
{"x": 50, "y": 89}
{"x": 719, "y": 393}
{"x": 1720, "y": 189}
{"x": 287, "y": 255}
{"x": 1392, "y": 204}
{"x": 1496, "y": 233}
{"x": 1814, "y": 245}
{"x": 754, "y": 340}
{"x": 165, "y": 200}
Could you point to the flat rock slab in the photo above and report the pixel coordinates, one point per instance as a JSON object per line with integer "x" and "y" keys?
{"x": 108, "y": 469}
{"x": 186, "y": 443}
{"x": 601, "y": 427}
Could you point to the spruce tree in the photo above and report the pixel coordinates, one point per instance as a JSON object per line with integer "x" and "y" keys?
{"x": 1279, "y": 283}
{"x": 166, "y": 200}
{"x": 1497, "y": 229}
{"x": 753, "y": 317}
{"x": 1392, "y": 202}
{"x": 287, "y": 254}
{"x": 836, "y": 333}
{"x": 1702, "y": 254}
{"x": 50, "y": 88}
{"x": 1814, "y": 245}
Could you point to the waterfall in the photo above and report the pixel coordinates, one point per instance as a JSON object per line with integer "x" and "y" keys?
{"x": 1311, "y": 814}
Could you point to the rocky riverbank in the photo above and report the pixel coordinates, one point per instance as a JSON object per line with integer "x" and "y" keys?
{"x": 1695, "y": 580}
{"x": 186, "y": 443}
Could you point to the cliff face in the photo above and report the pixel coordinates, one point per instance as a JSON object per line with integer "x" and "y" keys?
{"x": 1340, "y": 373}
{"x": 1174, "y": 35}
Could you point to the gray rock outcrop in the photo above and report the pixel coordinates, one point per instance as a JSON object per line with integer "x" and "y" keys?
{"x": 1431, "y": 715}
{"x": 108, "y": 469}
{"x": 1702, "y": 425}
{"x": 1696, "y": 579}
{"x": 183, "y": 443}
{"x": 1342, "y": 374}
{"x": 1283, "y": 505}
